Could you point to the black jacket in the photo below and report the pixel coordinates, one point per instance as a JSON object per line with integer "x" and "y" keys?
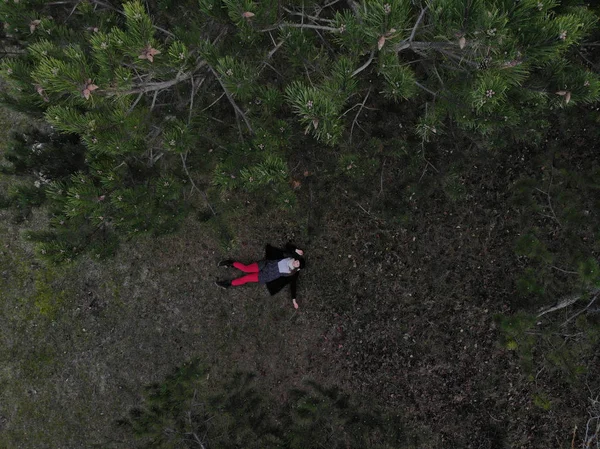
{"x": 272, "y": 253}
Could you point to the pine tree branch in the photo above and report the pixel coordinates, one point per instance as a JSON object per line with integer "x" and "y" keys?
{"x": 563, "y": 271}
{"x": 232, "y": 101}
{"x": 592, "y": 432}
{"x": 191, "y": 101}
{"x": 547, "y": 193}
{"x": 154, "y": 100}
{"x": 202, "y": 192}
{"x": 575, "y": 315}
{"x": 198, "y": 441}
{"x": 326, "y": 6}
{"x": 137, "y": 100}
{"x": 422, "y": 45}
{"x": 565, "y": 302}
{"x": 425, "y": 89}
{"x": 427, "y": 163}
{"x": 593, "y": 65}
{"x": 460, "y": 59}
{"x": 362, "y": 105}
{"x": 151, "y": 87}
{"x": 354, "y": 7}
{"x": 213, "y": 103}
{"x": 195, "y": 88}
{"x": 301, "y": 25}
{"x": 365, "y": 65}
{"x": 414, "y": 30}
{"x": 313, "y": 18}
{"x": 277, "y": 47}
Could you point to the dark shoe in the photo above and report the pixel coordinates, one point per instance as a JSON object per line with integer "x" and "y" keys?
{"x": 223, "y": 284}
{"x": 226, "y": 263}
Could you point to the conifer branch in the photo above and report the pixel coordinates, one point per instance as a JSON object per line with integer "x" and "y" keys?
{"x": 232, "y": 101}
{"x": 301, "y": 25}
{"x": 327, "y": 6}
{"x": 547, "y": 193}
{"x": 154, "y": 99}
{"x": 425, "y": 89}
{"x": 427, "y": 163}
{"x": 274, "y": 50}
{"x": 195, "y": 88}
{"x": 420, "y": 46}
{"x": 563, "y": 271}
{"x": 362, "y": 105}
{"x": 575, "y": 315}
{"x": 194, "y": 186}
{"x": 151, "y": 87}
{"x": 354, "y": 7}
{"x": 460, "y": 59}
{"x": 198, "y": 441}
{"x": 137, "y": 100}
{"x": 313, "y": 18}
{"x": 565, "y": 302}
{"x": 213, "y": 103}
{"x": 414, "y": 30}
{"x": 365, "y": 65}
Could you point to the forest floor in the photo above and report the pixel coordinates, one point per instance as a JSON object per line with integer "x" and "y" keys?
{"x": 397, "y": 308}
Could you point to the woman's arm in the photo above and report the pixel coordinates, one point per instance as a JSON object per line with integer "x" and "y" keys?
{"x": 293, "y": 249}
{"x": 293, "y": 289}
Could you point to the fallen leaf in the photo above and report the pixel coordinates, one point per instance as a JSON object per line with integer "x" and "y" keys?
{"x": 462, "y": 42}
{"x": 561, "y": 92}
{"x": 315, "y": 123}
{"x": 567, "y": 97}
{"x": 248, "y": 15}
{"x": 296, "y": 184}
{"x": 380, "y": 42}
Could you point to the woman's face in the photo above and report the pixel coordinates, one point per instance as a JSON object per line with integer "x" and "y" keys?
{"x": 296, "y": 264}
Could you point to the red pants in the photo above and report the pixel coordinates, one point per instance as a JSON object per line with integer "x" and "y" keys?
{"x": 252, "y": 269}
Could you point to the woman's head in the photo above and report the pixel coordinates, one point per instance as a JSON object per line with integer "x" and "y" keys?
{"x": 299, "y": 264}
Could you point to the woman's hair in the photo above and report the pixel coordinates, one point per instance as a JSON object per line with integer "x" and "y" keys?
{"x": 302, "y": 262}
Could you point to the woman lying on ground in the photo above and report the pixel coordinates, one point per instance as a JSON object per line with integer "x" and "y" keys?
{"x": 279, "y": 268}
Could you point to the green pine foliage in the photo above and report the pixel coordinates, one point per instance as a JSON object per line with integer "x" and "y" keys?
{"x": 159, "y": 88}
{"x": 559, "y": 257}
{"x": 529, "y": 245}
{"x": 146, "y": 98}
{"x": 190, "y": 408}
{"x": 35, "y": 159}
{"x": 540, "y": 345}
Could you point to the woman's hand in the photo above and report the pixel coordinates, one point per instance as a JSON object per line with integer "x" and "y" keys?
{"x": 295, "y": 303}
{"x": 299, "y": 252}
